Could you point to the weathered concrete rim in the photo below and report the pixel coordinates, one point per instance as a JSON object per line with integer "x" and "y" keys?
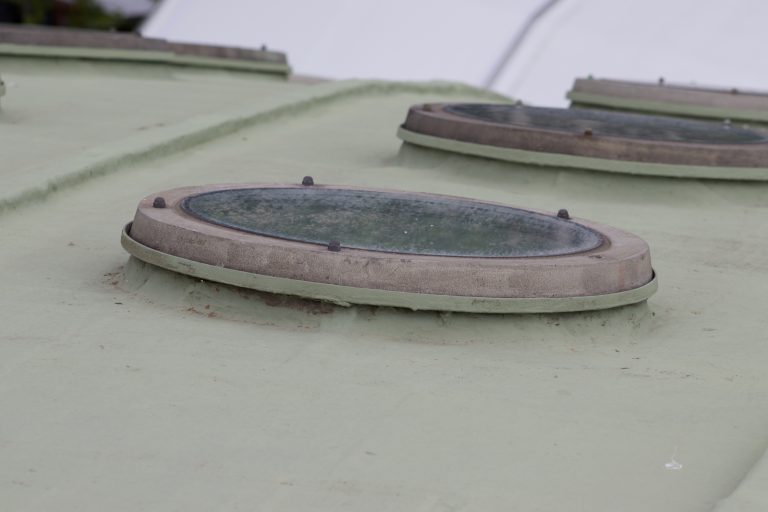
{"x": 622, "y": 262}
{"x": 44, "y": 42}
{"x": 26, "y": 35}
{"x": 347, "y": 295}
{"x": 142, "y": 57}
{"x": 435, "y": 120}
{"x": 538, "y": 158}
{"x": 683, "y": 100}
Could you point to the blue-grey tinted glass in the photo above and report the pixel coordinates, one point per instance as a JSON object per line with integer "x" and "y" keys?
{"x": 392, "y": 222}
{"x": 615, "y": 124}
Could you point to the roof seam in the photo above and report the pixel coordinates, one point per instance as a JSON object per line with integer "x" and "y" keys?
{"x": 748, "y": 493}
{"x": 186, "y": 137}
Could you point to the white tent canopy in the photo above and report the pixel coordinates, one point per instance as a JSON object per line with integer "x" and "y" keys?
{"x": 128, "y": 7}
{"x": 703, "y": 41}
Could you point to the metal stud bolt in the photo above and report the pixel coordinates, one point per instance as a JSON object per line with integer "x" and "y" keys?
{"x": 307, "y": 181}
{"x": 159, "y": 202}
{"x": 562, "y": 213}
{"x": 334, "y": 246}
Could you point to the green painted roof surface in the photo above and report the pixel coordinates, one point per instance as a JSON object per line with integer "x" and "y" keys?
{"x": 126, "y": 387}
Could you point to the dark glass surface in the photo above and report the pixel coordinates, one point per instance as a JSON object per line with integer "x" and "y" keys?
{"x": 615, "y": 124}
{"x": 392, "y": 222}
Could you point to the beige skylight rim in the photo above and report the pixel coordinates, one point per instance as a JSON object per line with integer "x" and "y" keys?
{"x": 433, "y": 120}
{"x": 675, "y": 99}
{"x": 621, "y": 264}
{"x": 49, "y": 42}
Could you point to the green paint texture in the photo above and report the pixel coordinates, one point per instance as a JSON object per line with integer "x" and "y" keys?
{"x": 128, "y": 387}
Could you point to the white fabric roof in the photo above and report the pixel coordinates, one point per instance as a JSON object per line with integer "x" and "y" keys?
{"x": 129, "y": 7}
{"x": 705, "y": 41}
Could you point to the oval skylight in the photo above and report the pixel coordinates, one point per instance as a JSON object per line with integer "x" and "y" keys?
{"x": 365, "y": 246}
{"x": 132, "y": 47}
{"x": 592, "y": 139}
{"x": 392, "y": 222}
{"x": 611, "y": 124}
{"x": 672, "y": 99}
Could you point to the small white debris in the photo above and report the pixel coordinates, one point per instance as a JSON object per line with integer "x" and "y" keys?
{"x": 673, "y": 465}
